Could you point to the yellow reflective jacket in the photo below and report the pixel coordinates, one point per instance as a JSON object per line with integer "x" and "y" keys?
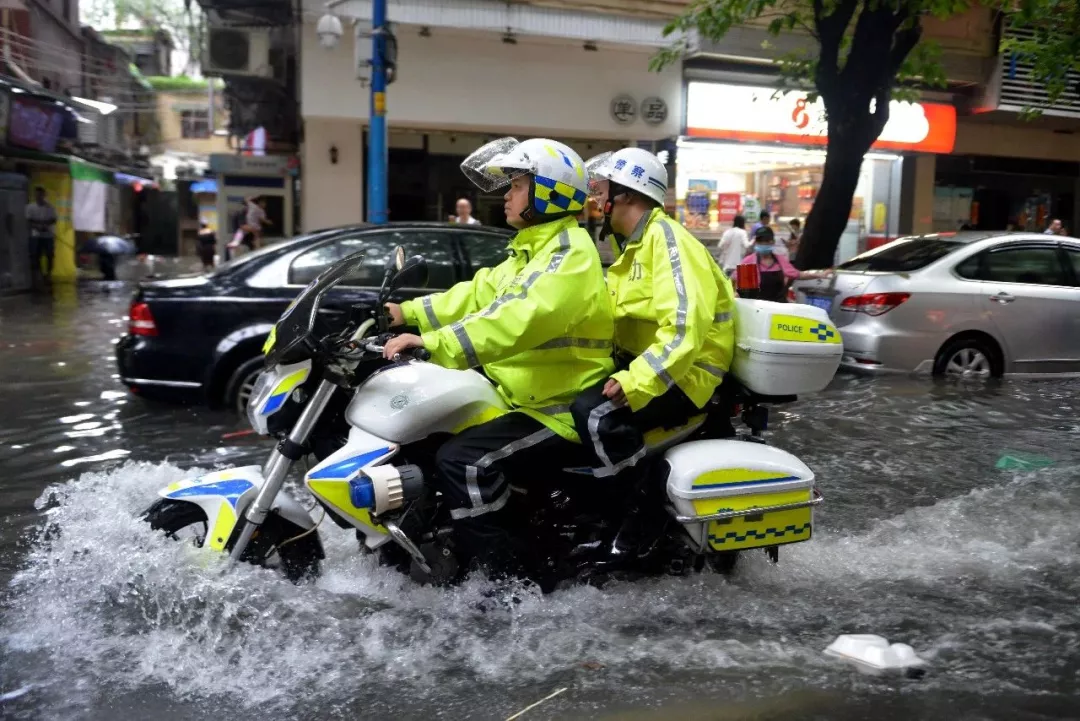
{"x": 539, "y": 322}
{"x": 673, "y": 312}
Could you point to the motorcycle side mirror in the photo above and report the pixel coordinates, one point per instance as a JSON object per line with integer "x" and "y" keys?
{"x": 399, "y": 258}
{"x": 413, "y": 273}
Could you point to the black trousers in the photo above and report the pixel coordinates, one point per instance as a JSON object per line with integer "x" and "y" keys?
{"x": 616, "y": 434}
{"x": 474, "y": 468}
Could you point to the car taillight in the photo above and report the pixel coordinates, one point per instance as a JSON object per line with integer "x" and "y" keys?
{"x": 141, "y": 320}
{"x": 874, "y": 303}
{"x": 791, "y": 296}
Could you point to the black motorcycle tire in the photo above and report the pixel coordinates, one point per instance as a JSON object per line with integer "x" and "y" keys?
{"x": 299, "y": 558}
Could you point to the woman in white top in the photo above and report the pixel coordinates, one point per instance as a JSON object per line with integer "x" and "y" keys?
{"x": 733, "y": 245}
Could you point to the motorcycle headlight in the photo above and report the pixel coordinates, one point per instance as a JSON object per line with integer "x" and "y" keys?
{"x": 260, "y": 394}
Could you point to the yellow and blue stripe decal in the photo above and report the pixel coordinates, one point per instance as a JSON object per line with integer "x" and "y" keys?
{"x": 270, "y": 340}
{"x": 223, "y": 526}
{"x": 803, "y": 330}
{"x": 284, "y": 387}
{"x": 736, "y": 477}
{"x": 343, "y": 470}
{"x": 230, "y": 490}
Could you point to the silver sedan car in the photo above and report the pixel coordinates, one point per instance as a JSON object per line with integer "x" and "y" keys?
{"x": 969, "y": 303}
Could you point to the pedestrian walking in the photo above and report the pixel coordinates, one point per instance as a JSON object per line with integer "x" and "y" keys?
{"x": 41, "y": 219}
{"x": 207, "y": 241}
{"x": 763, "y": 221}
{"x": 249, "y": 234}
{"x": 733, "y": 245}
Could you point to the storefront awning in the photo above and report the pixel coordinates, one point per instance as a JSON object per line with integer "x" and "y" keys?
{"x": 127, "y": 179}
{"x": 504, "y": 17}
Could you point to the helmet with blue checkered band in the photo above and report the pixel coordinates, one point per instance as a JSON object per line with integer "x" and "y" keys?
{"x": 632, "y": 168}
{"x": 559, "y": 182}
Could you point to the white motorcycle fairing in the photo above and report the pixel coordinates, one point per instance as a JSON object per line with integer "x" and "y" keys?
{"x": 408, "y": 402}
{"x": 329, "y": 480}
{"x": 224, "y": 496}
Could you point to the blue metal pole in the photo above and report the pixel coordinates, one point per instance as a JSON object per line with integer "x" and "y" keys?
{"x": 377, "y": 150}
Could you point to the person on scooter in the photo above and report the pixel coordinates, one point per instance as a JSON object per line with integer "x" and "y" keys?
{"x": 539, "y": 324}
{"x": 674, "y": 332}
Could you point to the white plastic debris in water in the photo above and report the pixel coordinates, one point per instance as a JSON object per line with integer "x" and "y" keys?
{"x": 874, "y": 653}
{"x": 12, "y": 695}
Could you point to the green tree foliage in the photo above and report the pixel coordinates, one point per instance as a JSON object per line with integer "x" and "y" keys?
{"x": 181, "y": 19}
{"x": 861, "y": 54}
{"x": 1049, "y": 39}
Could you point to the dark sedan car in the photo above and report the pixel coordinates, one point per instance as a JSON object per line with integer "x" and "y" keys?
{"x": 201, "y": 337}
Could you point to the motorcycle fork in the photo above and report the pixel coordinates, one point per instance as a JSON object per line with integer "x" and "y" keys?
{"x": 288, "y": 451}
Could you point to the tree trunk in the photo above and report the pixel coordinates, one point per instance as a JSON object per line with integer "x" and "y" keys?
{"x": 829, "y": 216}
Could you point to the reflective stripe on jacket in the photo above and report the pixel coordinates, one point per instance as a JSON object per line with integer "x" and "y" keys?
{"x": 673, "y": 312}
{"x": 539, "y": 322}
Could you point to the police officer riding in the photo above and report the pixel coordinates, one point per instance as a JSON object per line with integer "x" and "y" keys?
{"x": 539, "y": 324}
{"x": 674, "y": 330}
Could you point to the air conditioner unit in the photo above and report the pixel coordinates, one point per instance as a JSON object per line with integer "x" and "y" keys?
{"x": 237, "y": 51}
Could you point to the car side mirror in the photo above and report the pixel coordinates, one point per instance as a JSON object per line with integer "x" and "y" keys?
{"x": 413, "y": 273}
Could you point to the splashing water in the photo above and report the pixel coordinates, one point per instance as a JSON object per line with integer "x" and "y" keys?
{"x": 983, "y": 584}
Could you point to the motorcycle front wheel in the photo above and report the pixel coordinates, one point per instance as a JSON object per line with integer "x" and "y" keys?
{"x": 279, "y": 543}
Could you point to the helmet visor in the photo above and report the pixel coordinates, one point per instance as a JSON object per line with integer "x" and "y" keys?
{"x": 475, "y": 167}
{"x": 597, "y": 168}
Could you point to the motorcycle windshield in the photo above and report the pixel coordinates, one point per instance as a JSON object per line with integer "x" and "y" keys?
{"x": 298, "y": 320}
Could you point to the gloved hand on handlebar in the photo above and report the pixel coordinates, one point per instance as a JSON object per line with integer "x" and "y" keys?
{"x": 400, "y": 345}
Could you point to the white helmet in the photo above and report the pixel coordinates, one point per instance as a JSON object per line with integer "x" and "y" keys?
{"x": 631, "y": 168}
{"x": 559, "y": 186}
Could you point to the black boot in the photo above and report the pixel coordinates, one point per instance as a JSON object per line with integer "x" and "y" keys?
{"x": 484, "y": 543}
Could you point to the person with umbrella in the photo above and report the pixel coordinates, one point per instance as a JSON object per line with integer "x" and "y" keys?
{"x": 107, "y": 248}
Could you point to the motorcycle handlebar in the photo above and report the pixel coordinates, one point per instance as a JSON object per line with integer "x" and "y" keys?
{"x": 420, "y": 354}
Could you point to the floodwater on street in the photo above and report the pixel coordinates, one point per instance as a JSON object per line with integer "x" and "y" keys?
{"x": 924, "y": 538}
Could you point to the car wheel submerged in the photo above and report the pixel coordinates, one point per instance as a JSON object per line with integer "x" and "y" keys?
{"x": 969, "y": 357}
{"x": 241, "y": 383}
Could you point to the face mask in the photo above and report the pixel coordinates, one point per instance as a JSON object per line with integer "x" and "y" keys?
{"x": 763, "y": 249}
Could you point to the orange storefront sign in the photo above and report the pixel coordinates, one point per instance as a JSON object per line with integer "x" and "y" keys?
{"x": 737, "y": 112}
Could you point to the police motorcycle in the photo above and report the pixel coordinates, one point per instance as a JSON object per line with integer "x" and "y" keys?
{"x": 373, "y": 427}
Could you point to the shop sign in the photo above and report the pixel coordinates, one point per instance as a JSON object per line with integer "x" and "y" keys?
{"x": 733, "y": 112}
{"x": 699, "y": 204}
{"x": 623, "y": 109}
{"x": 728, "y": 206}
{"x": 34, "y": 124}
{"x": 654, "y": 110}
{"x": 231, "y": 164}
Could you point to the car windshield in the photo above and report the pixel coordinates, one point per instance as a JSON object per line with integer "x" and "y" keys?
{"x": 903, "y": 256}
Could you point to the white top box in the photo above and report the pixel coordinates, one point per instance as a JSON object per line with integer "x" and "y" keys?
{"x": 784, "y": 348}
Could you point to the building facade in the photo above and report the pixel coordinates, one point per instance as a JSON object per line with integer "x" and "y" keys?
{"x": 459, "y": 82}
{"x": 70, "y": 109}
